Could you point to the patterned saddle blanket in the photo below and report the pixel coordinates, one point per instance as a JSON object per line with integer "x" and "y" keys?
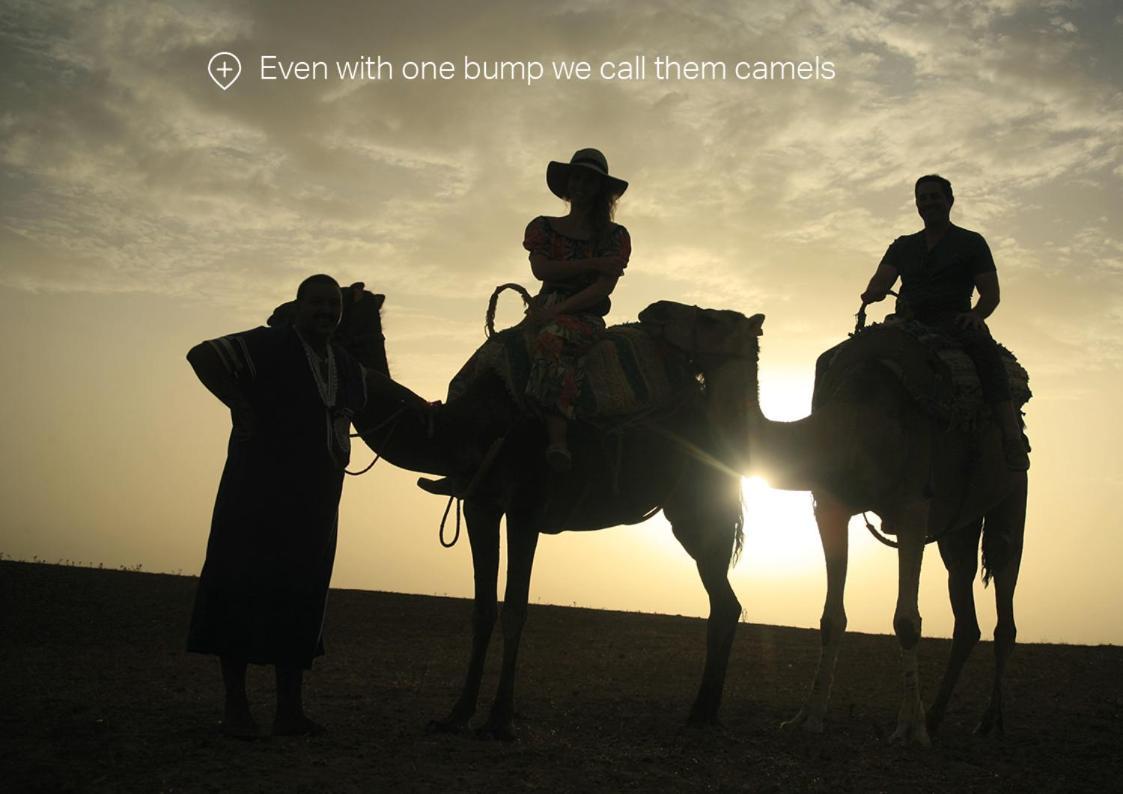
{"x": 627, "y": 373}
{"x": 931, "y": 366}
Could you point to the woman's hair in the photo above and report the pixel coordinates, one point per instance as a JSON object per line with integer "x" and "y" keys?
{"x": 602, "y": 210}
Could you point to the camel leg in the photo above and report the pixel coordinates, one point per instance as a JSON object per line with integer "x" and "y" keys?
{"x": 725, "y": 612}
{"x": 483, "y": 535}
{"x": 704, "y": 523}
{"x": 960, "y": 552}
{"x": 911, "y": 725}
{"x": 833, "y": 519}
{"x": 1009, "y": 517}
{"x": 522, "y": 540}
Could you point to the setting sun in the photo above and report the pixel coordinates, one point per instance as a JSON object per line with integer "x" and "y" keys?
{"x": 780, "y": 533}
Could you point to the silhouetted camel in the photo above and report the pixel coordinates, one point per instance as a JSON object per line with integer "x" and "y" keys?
{"x": 869, "y": 445}
{"x": 679, "y": 463}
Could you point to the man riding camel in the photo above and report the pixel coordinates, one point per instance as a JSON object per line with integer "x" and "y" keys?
{"x": 940, "y": 267}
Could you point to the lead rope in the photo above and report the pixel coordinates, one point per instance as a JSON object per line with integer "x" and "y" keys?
{"x": 395, "y": 418}
{"x": 444, "y": 518}
{"x": 881, "y": 537}
{"x": 861, "y": 315}
{"x": 877, "y": 533}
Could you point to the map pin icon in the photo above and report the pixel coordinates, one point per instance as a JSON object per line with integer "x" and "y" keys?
{"x": 224, "y": 68}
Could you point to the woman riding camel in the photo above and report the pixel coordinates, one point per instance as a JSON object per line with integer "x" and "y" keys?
{"x": 578, "y": 258}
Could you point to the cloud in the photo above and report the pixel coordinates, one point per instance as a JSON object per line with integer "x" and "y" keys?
{"x": 123, "y": 168}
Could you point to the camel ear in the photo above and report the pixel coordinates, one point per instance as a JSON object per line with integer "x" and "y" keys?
{"x": 283, "y": 315}
{"x": 755, "y": 323}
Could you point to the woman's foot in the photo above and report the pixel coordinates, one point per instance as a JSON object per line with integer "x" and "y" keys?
{"x": 557, "y": 455}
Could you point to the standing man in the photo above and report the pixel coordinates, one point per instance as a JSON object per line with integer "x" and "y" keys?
{"x": 940, "y": 267}
{"x": 263, "y": 589}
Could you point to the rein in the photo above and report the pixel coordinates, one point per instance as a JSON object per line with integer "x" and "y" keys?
{"x": 878, "y": 534}
{"x": 861, "y": 315}
{"x": 444, "y": 518}
{"x": 395, "y": 418}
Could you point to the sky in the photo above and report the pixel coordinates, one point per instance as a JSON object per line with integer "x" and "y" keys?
{"x": 143, "y": 208}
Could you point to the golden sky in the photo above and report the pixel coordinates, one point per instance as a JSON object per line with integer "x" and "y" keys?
{"x": 145, "y": 209}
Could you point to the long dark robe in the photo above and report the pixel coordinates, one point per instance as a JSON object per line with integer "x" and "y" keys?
{"x": 264, "y": 584}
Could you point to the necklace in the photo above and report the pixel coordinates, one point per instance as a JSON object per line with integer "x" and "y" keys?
{"x": 327, "y": 387}
{"x": 337, "y": 423}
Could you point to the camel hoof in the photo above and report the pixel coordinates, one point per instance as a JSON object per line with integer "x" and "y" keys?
{"x": 932, "y": 721}
{"x": 503, "y": 730}
{"x": 703, "y": 718}
{"x": 794, "y": 722}
{"x": 805, "y": 722}
{"x": 812, "y": 725}
{"x": 446, "y": 726}
{"x": 911, "y": 732}
{"x": 989, "y": 723}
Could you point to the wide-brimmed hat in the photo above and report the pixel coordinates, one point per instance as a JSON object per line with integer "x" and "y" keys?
{"x": 557, "y": 174}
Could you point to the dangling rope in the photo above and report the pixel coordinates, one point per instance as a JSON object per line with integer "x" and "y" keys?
{"x": 489, "y": 321}
{"x": 395, "y": 418}
{"x": 878, "y": 533}
{"x": 444, "y": 518}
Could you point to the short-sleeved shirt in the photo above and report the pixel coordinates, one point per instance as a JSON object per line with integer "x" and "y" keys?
{"x": 542, "y": 238}
{"x": 939, "y": 283}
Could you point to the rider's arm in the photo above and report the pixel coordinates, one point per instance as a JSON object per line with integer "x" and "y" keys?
{"x": 590, "y": 296}
{"x": 545, "y": 269}
{"x": 537, "y": 239}
{"x": 987, "y": 285}
{"x": 881, "y": 282}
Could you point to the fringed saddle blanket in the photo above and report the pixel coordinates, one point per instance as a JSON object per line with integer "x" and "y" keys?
{"x": 939, "y": 375}
{"x": 627, "y": 373}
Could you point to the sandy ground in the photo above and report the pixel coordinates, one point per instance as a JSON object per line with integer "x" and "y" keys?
{"x": 98, "y": 695}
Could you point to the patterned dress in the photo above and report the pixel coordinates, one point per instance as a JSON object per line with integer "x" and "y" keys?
{"x": 264, "y": 584}
{"x": 557, "y": 352}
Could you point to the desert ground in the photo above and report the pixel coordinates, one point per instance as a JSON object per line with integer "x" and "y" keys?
{"x": 99, "y": 695}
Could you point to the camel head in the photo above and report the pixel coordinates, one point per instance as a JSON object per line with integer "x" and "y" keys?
{"x": 708, "y": 336}
{"x": 360, "y": 327}
{"x": 724, "y": 346}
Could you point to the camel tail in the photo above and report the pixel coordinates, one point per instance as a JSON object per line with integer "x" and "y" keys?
{"x": 996, "y": 550}
{"x": 738, "y": 533}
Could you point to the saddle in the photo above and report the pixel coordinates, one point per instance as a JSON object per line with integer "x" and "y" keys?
{"x": 629, "y": 373}
{"x": 931, "y": 366}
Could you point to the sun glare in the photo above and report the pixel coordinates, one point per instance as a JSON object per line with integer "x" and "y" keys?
{"x": 780, "y": 532}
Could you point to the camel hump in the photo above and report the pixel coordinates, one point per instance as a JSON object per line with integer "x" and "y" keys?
{"x": 932, "y": 367}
